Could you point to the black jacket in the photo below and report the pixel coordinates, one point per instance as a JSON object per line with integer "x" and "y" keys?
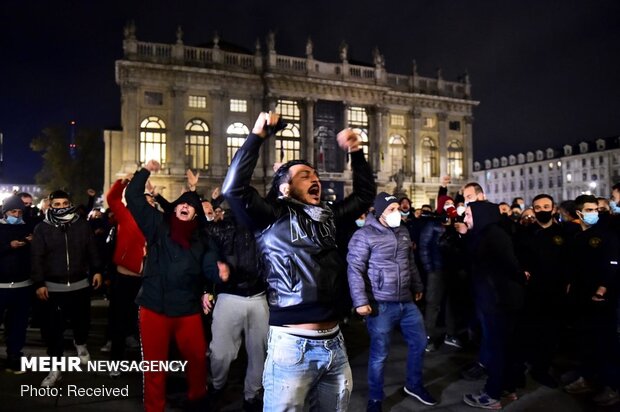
{"x": 593, "y": 261}
{"x": 305, "y": 274}
{"x": 237, "y": 246}
{"x": 14, "y": 262}
{"x": 174, "y": 278}
{"x": 63, "y": 255}
{"x": 497, "y": 277}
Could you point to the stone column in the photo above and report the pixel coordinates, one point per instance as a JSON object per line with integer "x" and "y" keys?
{"x": 468, "y": 149}
{"x": 175, "y": 144}
{"x": 442, "y": 119}
{"x": 131, "y": 127}
{"x": 218, "y": 151}
{"x": 414, "y": 149}
{"x": 307, "y": 143}
{"x": 378, "y": 140}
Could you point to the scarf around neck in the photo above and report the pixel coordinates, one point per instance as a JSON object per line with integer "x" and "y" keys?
{"x": 61, "y": 217}
{"x": 181, "y": 231}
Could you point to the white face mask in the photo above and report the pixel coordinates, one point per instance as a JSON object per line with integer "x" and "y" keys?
{"x": 460, "y": 210}
{"x": 393, "y": 219}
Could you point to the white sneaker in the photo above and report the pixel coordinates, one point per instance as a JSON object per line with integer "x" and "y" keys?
{"x": 107, "y": 347}
{"x": 82, "y": 352}
{"x": 51, "y": 379}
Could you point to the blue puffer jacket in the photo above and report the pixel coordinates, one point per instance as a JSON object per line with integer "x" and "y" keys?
{"x": 429, "y": 247}
{"x": 381, "y": 265}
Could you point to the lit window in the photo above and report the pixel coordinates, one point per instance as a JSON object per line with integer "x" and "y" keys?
{"x": 430, "y": 158}
{"x": 429, "y": 122}
{"x": 197, "y": 144}
{"x": 238, "y": 105}
{"x": 397, "y": 120}
{"x": 559, "y": 163}
{"x": 153, "y": 140}
{"x": 236, "y": 134}
{"x": 397, "y": 153}
{"x": 153, "y": 98}
{"x": 288, "y": 141}
{"x": 358, "y": 121}
{"x": 455, "y": 159}
{"x": 199, "y": 102}
{"x": 550, "y": 165}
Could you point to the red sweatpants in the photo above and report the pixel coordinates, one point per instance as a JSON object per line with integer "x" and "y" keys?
{"x": 156, "y": 330}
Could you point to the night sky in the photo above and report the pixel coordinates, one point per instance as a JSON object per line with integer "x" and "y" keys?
{"x": 546, "y": 72}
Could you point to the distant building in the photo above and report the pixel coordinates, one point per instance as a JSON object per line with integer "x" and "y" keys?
{"x": 192, "y": 107}
{"x": 590, "y": 167}
{"x": 8, "y": 189}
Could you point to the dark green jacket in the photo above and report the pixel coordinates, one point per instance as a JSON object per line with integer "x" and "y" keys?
{"x": 174, "y": 278}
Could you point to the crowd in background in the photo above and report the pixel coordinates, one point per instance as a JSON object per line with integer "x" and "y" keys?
{"x": 526, "y": 281}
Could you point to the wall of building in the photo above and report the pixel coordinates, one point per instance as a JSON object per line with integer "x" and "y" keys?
{"x": 401, "y": 114}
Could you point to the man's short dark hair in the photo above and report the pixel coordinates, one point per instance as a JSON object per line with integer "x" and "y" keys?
{"x": 543, "y": 196}
{"x": 477, "y": 188}
{"x": 616, "y": 187}
{"x": 570, "y": 208}
{"x": 503, "y": 203}
{"x": 24, "y": 194}
{"x": 583, "y": 199}
{"x": 282, "y": 176}
{"x": 517, "y": 198}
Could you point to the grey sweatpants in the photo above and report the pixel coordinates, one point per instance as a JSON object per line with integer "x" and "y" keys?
{"x": 232, "y": 316}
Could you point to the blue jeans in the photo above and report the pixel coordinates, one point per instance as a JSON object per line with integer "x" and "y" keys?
{"x": 390, "y": 314}
{"x": 305, "y": 374}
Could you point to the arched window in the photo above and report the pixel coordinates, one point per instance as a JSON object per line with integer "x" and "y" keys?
{"x": 429, "y": 158}
{"x": 397, "y": 152}
{"x": 288, "y": 141}
{"x": 358, "y": 121}
{"x": 455, "y": 159}
{"x": 153, "y": 140}
{"x": 236, "y": 134}
{"x": 197, "y": 144}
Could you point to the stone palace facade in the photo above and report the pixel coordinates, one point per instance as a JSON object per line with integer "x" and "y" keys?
{"x": 191, "y": 107}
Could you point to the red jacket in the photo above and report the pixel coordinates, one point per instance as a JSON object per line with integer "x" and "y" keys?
{"x": 130, "y": 243}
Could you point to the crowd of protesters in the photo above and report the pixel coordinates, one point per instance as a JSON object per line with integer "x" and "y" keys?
{"x": 524, "y": 282}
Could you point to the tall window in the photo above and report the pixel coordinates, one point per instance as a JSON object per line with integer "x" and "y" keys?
{"x": 429, "y": 158}
{"x": 397, "y": 153}
{"x": 288, "y": 141}
{"x": 358, "y": 121}
{"x": 455, "y": 159}
{"x": 153, "y": 140}
{"x": 197, "y": 144}
{"x": 236, "y": 134}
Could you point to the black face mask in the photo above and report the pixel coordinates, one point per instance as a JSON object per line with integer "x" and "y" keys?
{"x": 544, "y": 216}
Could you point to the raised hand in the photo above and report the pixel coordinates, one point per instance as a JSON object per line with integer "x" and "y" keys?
{"x": 152, "y": 166}
{"x": 349, "y": 140}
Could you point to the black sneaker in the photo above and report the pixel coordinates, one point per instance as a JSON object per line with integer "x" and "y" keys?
{"x": 474, "y": 373}
{"x": 544, "y": 379}
{"x": 421, "y": 394}
{"x": 453, "y": 341}
{"x": 253, "y": 405}
{"x": 374, "y": 406}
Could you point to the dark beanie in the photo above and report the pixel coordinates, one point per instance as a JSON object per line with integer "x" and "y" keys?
{"x": 192, "y": 199}
{"x": 382, "y": 201}
{"x": 59, "y": 194}
{"x": 11, "y": 203}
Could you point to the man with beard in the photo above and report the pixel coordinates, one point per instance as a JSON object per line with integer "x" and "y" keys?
{"x": 306, "y": 357}
{"x": 64, "y": 256}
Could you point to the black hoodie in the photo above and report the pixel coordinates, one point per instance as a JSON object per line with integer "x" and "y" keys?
{"x": 498, "y": 280}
